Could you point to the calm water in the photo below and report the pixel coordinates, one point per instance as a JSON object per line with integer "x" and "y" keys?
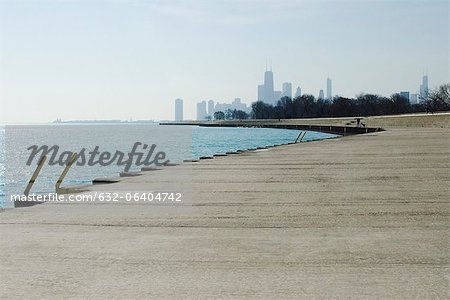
{"x": 179, "y": 142}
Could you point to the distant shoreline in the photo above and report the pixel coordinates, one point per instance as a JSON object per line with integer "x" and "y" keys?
{"x": 59, "y": 121}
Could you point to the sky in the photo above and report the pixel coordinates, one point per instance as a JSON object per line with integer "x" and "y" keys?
{"x": 121, "y": 59}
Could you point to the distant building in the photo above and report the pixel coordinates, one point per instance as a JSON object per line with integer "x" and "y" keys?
{"x": 201, "y": 110}
{"x": 424, "y": 88}
{"x": 287, "y": 90}
{"x": 298, "y": 92}
{"x": 236, "y": 104}
{"x": 178, "y": 109}
{"x": 329, "y": 92}
{"x": 211, "y": 108}
{"x": 404, "y": 95}
{"x": 414, "y": 99}
{"x": 321, "y": 95}
{"x": 276, "y": 96}
{"x": 265, "y": 91}
{"x": 261, "y": 95}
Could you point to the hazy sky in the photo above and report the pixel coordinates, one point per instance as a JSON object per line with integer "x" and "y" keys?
{"x": 118, "y": 59}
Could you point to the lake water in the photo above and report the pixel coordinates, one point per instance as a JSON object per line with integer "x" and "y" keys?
{"x": 178, "y": 142}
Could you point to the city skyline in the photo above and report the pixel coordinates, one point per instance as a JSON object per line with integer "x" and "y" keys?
{"x": 122, "y": 59}
{"x": 206, "y": 109}
{"x": 266, "y": 94}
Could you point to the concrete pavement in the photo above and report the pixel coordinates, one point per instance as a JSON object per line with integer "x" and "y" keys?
{"x": 362, "y": 216}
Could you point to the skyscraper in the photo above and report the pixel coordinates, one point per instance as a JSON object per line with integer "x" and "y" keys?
{"x": 211, "y": 108}
{"x": 287, "y": 90}
{"x": 178, "y": 109}
{"x": 298, "y": 92}
{"x": 268, "y": 84}
{"x": 265, "y": 91}
{"x": 261, "y": 92}
{"x": 329, "y": 92}
{"x": 201, "y": 110}
{"x": 321, "y": 95}
{"x": 424, "y": 88}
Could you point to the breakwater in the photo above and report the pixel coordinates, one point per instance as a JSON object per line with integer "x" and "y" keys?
{"x": 342, "y": 126}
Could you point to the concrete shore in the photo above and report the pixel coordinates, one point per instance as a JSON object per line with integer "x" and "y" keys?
{"x": 363, "y": 216}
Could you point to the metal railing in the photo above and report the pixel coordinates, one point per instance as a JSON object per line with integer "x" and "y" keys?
{"x": 38, "y": 169}
{"x": 300, "y": 136}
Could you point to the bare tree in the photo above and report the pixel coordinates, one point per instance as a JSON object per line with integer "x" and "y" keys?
{"x": 439, "y": 99}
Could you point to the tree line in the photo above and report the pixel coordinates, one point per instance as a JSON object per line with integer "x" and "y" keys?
{"x": 307, "y": 106}
{"x": 231, "y": 114}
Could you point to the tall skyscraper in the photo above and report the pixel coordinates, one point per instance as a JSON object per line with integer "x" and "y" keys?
{"x": 424, "y": 88}
{"x": 298, "y": 92}
{"x": 265, "y": 91}
{"x": 211, "y": 108}
{"x": 287, "y": 90}
{"x": 321, "y": 95}
{"x": 178, "y": 109}
{"x": 329, "y": 92}
{"x": 268, "y": 84}
{"x": 201, "y": 110}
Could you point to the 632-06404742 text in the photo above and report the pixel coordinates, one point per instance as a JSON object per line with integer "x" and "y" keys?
{"x": 159, "y": 197}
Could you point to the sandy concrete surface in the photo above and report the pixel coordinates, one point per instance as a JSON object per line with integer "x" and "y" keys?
{"x": 362, "y": 216}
